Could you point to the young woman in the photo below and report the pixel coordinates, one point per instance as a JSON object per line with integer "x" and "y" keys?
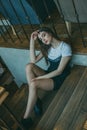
{"x": 58, "y": 54}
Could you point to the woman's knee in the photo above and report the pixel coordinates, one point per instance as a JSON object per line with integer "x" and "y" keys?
{"x": 33, "y": 85}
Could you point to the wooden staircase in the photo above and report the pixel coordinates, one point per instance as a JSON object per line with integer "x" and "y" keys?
{"x": 66, "y": 112}
{"x": 54, "y": 21}
{"x": 65, "y": 109}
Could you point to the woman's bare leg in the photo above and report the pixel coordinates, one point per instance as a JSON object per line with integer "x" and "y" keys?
{"x": 33, "y": 71}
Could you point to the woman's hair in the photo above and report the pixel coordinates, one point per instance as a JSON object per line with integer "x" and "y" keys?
{"x": 44, "y": 48}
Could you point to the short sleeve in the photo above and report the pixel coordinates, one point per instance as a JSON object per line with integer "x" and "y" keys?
{"x": 66, "y": 50}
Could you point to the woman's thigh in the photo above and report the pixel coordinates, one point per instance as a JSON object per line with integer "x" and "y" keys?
{"x": 38, "y": 71}
{"x": 45, "y": 84}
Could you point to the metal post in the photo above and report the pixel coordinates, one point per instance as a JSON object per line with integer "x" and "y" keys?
{"x": 19, "y": 20}
{"x": 7, "y": 30}
{"x": 49, "y": 16}
{"x": 10, "y": 21}
{"x": 37, "y": 14}
{"x": 77, "y": 16}
{"x": 62, "y": 16}
{"x": 27, "y": 16}
{"x": 1, "y": 30}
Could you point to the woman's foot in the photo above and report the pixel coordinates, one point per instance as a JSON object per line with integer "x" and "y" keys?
{"x": 27, "y": 123}
{"x": 38, "y": 107}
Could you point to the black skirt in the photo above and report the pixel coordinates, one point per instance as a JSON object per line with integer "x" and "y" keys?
{"x": 58, "y": 80}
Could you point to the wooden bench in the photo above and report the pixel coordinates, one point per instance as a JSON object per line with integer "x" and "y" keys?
{"x": 63, "y": 97}
{"x": 75, "y": 112}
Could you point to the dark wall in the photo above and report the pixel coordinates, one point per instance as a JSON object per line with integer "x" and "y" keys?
{"x": 43, "y": 8}
{"x": 19, "y": 14}
{"x": 34, "y": 8}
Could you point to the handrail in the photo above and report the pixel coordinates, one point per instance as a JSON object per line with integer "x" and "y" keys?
{"x": 10, "y": 20}
{"x": 25, "y": 35}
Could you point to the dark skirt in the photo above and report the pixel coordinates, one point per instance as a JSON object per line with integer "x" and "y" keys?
{"x": 58, "y": 80}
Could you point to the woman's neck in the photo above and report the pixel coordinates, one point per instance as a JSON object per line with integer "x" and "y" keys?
{"x": 55, "y": 43}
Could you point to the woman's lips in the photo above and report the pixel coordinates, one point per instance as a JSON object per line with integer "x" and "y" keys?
{"x": 46, "y": 41}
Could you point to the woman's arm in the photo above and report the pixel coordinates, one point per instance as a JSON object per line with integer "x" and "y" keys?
{"x": 64, "y": 61}
{"x": 33, "y": 57}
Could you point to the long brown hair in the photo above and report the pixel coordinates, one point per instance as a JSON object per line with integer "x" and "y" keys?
{"x": 44, "y": 48}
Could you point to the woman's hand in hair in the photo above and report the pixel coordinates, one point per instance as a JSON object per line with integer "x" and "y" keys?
{"x": 34, "y": 35}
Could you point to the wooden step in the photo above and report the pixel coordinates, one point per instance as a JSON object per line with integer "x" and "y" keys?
{"x": 13, "y": 108}
{"x": 17, "y": 103}
{"x": 75, "y": 112}
{"x": 56, "y": 107}
{"x": 54, "y": 20}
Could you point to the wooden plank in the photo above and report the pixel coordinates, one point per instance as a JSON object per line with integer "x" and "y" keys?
{"x": 77, "y": 44}
{"x": 2, "y": 89}
{"x": 17, "y": 103}
{"x": 73, "y": 106}
{"x": 81, "y": 114}
{"x": 20, "y": 93}
{"x": 6, "y": 79}
{"x": 85, "y": 125}
{"x": 12, "y": 88}
{"x": 78, "y": 121}
{"x": 3, "y": 97}
{"x": 55, "y": 109}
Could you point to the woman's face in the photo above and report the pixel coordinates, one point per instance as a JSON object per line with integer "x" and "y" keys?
{"x": 45, "y": 37}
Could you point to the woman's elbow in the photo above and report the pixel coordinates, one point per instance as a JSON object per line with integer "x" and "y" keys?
{"x": 58, "y": 72}
{"x": 32, "y": 61}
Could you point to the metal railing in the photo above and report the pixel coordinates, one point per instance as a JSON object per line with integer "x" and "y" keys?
{"x": 6, "y": 22}
{"x": 75, "y": 12}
